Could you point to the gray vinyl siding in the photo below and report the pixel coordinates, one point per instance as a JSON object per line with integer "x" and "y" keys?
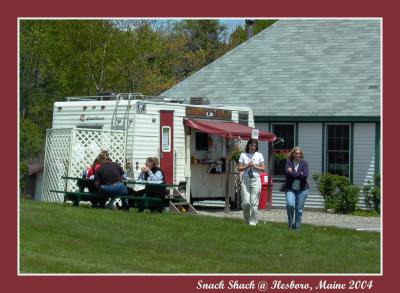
{"x": 363, "y": 155}
{"x": 263, "y": 145}
{"x": 310, "y": 140}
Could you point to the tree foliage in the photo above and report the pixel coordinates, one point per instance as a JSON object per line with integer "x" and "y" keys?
{"x": 60, "y": 58}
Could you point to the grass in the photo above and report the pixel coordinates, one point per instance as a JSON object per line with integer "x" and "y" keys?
{"x": 58, "y": 238}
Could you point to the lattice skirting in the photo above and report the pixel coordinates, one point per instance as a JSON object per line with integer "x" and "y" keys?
{"x": 70, "y": 151}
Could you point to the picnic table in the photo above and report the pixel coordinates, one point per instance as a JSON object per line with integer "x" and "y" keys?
{"x": 156, "y": 195}
{"x": 87, "y": 191}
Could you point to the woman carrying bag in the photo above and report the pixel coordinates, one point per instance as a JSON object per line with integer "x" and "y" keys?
{"x": 252, "y": 163}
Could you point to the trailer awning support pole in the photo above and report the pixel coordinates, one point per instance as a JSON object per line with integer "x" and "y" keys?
{"x": 188, "y": 173}
{"x": 227, "y": 164}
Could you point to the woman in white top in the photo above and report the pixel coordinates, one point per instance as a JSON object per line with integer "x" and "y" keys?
{"x": 252, "y": 163}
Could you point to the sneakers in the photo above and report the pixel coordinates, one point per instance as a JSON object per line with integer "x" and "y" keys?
{"x": 111, "y": 205}
{"x": 293, "y": 227}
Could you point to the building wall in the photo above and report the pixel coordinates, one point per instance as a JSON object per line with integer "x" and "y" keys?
{"x": 263, "y": 145}
{"x": 34, "y": 185}
{"x": 310, "y": 139}
{"x": 363, "y": 155}
{"x": 38, "y": 186}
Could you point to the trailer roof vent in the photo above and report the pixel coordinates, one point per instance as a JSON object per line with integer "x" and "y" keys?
{"x": 199, "y": 101}
{"x": 166, "y": 99}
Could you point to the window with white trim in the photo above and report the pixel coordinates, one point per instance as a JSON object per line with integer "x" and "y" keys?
{"x": 337, "y": 156}
{"x": 166, "y": 139}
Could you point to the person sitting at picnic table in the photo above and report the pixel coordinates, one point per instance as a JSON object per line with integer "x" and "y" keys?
{"x": 150, "y": 173}
{"x": 102, "y": 157}
{"x": 108, "y": 177}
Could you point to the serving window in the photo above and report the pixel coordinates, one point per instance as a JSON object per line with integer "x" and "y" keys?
{"x": 201, "y": 141}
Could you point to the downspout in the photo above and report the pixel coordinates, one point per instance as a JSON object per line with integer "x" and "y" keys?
{"x": 270, "y": 162}
{"x": 227, "y": 166}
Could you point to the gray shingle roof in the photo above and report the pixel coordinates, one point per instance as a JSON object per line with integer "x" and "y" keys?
{"x": 301, "y": 67}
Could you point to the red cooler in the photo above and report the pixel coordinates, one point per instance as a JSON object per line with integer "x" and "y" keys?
{"x": 264, "y": 200}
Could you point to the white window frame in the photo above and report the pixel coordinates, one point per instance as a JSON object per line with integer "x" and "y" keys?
{"x": 168, "y": 149}
{"x": 326, "y": 146}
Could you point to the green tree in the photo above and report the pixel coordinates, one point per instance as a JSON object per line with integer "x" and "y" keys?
{"x": 30, "y": 145}
{"x": 60, "y": 58}
{"x": 205, "y": 43}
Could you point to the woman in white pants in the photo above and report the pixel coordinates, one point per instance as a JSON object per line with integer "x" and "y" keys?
{"x": 252, "y": 163}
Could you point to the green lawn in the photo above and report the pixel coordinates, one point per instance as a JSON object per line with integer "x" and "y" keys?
{"x": 58, "y": 238}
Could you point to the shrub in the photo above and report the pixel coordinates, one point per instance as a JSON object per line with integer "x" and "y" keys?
{"x": 338, "y": 192}
{"x": 348, "y": 199}
{"x": 372, "y": 194}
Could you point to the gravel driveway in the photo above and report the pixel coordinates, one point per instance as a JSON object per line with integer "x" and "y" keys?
{"x": 309, "y": 217}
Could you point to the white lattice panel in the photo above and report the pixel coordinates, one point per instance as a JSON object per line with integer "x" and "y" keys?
{"x": 55, "y": 162}
{"x": 70, "y": 151}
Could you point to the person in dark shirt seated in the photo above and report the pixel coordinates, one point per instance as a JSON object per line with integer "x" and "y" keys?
{"x": 102, "y": 157}
{"x": 108, "y": 179}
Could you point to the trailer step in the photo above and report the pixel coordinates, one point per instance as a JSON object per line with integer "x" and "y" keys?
{"x": 182, "y": 208}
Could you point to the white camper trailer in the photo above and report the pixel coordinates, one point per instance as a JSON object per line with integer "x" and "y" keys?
{"x": 190, "y": 151}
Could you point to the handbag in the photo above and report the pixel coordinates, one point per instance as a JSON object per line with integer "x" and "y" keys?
{"x": 251, "y": 175}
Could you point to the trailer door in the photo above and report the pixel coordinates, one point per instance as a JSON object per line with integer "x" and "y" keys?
{"x": 167, "y": 144}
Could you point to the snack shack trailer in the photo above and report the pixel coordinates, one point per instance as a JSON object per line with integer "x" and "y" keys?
{"x": 192, "y": 140}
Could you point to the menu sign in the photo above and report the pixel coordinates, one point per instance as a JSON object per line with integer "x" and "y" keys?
{"x": 197, "y": 112}
{"x": 255, "y": 133}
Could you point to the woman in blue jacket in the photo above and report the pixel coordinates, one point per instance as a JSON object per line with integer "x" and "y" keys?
{"x": 296, "y": 170}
